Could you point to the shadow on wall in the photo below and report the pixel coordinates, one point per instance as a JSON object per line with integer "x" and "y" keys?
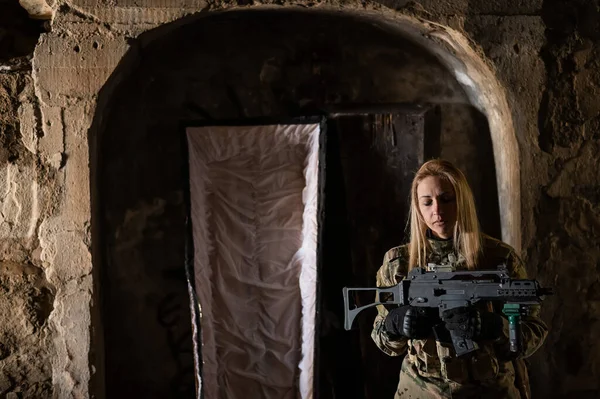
{"x": 231, "y": 65}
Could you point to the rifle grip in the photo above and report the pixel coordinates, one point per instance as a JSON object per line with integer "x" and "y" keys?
{"x": 513, "y": 313}
{"x": 514, "y": 324}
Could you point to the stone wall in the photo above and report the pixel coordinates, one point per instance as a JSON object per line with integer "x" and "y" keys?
{"x": 28, "y": 187}
{"x": 545, "y": 54}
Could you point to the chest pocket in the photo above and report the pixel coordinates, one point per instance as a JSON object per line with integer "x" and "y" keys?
{"x": 423, "y": 354}
{"x": 484, "y": 364}
{"x": 438, "y": 360}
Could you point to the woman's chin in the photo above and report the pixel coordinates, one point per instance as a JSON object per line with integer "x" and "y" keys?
{"x": 442, "y": 234}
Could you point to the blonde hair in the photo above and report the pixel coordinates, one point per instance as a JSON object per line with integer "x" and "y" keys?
{"x": 466, "y": 236}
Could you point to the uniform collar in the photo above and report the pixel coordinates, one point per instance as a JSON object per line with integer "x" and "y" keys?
{"x": 440, "y": 246}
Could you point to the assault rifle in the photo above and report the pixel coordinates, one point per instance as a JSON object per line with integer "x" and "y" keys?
{"x": 447, "y": 289}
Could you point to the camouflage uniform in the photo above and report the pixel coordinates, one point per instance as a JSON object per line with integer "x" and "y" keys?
{"x": 431, "y": 368}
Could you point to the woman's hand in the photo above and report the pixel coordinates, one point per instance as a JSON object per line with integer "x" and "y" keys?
{"x": 411, "y": 322}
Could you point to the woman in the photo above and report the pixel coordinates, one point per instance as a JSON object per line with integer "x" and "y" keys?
{"x": 444, "y": 231}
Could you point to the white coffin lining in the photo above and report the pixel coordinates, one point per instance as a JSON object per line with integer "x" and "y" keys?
{"x": 209, "y": 146}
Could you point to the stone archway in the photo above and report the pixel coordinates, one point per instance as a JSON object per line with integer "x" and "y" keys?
{"x": 143, "y": 211}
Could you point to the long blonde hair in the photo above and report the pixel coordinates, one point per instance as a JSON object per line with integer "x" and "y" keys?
{"x": 466, "y": 236}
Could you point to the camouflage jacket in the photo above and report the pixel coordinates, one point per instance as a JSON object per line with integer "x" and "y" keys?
{"x": 431, "y": 368}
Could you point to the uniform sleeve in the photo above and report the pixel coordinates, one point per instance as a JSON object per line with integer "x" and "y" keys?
{"x": 388, "y": 275}
{"x": 533, "y": 329}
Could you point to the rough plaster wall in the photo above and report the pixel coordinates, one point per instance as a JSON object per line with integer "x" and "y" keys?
{"x": 45, "y": 281}
{"x": 27, "y": 187}
{"x": 569, "y": 139}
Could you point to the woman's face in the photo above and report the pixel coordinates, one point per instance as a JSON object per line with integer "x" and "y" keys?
{"x": 437, "y": 203}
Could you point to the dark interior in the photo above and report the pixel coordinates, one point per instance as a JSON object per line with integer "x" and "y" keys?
{"x": 389, "y": 106}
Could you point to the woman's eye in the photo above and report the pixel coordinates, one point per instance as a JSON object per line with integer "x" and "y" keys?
{"x": 427, "y": 203}
{"x": 447, "y": 199}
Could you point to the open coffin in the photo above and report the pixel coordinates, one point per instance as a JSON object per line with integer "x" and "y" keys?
{"x": 254, "y": 199}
